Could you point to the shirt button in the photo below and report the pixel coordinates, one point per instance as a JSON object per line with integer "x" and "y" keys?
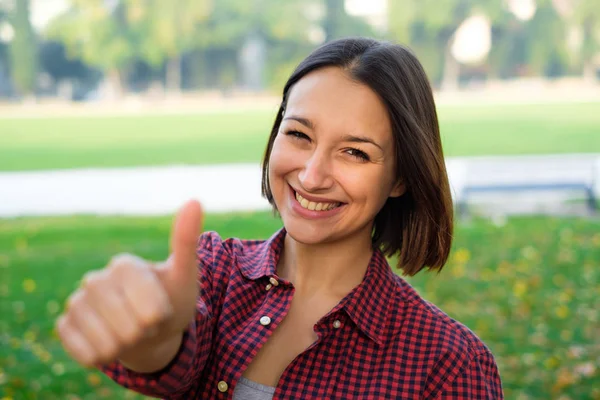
{"x": 265, "y": 320}
{"x": 268, "y": 287}
{"x": 222, "y": 386}
{"x": 337, "y": 324}
{"x": 274, "y": 281}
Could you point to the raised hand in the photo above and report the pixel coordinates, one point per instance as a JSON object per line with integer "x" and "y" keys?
{"x": 133, "y": 309}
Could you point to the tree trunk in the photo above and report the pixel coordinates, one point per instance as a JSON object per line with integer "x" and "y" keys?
{"x": 115, "y": 83}
{"x": 451, "y": 72}
{"x": 589, "y": 71}
{"x": 334, "y": 16}
{"x": 23, "y": 52}
{"x": 173, "y": 76}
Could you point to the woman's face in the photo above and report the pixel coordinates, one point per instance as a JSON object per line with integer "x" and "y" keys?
{"x": 332, "y": 164}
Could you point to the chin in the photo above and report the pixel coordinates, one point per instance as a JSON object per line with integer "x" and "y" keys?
{"x": 306, "y": 233}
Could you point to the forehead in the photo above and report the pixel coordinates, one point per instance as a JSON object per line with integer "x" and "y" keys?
{"x": 333, "y": 101}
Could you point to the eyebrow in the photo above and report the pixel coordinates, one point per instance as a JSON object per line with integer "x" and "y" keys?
{"x": 347, "y": 138}
{"x": 361, "y": 139}
{"x": 304, "y": 121}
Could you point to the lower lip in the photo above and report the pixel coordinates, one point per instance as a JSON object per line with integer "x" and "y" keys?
{"x": 311, "y": 214}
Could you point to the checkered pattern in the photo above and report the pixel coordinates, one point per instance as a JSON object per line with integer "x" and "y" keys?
{"x": 390, "y": 344}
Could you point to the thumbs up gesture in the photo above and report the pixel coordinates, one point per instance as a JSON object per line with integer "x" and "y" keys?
{"x": 134, "y": 310}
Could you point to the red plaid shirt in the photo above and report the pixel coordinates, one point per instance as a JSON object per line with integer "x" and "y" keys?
{"x": 382, "y": 341}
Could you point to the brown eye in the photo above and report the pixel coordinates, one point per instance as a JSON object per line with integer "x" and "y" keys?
{"x": 297, "y": 135}
{"x": 361, "y": 155}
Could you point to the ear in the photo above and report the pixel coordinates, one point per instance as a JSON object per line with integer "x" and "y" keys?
{"x": 398, "y": 190}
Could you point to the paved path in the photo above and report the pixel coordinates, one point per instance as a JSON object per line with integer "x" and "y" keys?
{"x": 224, "y": 188}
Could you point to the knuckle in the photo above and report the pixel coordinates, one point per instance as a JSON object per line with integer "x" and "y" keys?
{"x": 91, "y": 280}
{"x": 121, "y": 261}
{"x": 74, "y": 301}
{"x": 110, "y": 349}
{"x": 131, "y": 334}
{"x": 151, "y": 315}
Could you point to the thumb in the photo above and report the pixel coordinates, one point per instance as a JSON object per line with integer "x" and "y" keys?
{"x": 187, "y": 226}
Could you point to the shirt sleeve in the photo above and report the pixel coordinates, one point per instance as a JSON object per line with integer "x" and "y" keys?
{"x": 480, "y": 380}
{"x": 184, "y": 371}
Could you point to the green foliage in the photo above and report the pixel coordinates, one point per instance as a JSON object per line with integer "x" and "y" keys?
{"x": 168, "y": 28}
{"x": 586, "y": 14}
{"x": 96, "y": 34}
{"x": 532, "y": 48}
{"x": 23, "y": 50}
{"x": 528, "y": 289}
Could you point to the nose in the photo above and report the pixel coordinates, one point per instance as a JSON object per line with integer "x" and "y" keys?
{"x": 316, "y": 174}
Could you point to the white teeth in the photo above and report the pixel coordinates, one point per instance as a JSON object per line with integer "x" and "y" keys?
{"x": 314, "y": 206}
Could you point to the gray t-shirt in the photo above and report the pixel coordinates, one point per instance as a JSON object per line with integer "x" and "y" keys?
{"x": 246, "y": 389}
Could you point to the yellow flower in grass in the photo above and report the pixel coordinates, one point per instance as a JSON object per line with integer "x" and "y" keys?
{"x": 564, "y": 297}
{"x": 562, "y": 312}
{"x": 461, "y": 256}
{"x": 551, "y": 363}
{"x": 29, "y": 285}
{"x": 519, "y": 289}
{"x": 93, "y": 379}
{"x": 29, "y": 336}
{"x": 458, "y": 270}
{"x": 15, "y": 343}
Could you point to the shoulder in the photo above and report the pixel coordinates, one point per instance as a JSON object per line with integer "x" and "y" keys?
{"x": 438, "y": 330}
{"x": 444, "y": 349}
{"x": 447, "y": 352}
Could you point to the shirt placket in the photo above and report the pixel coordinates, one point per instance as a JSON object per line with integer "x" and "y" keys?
{"x": 277, "y": 303}
{"x": 319, "y": 365}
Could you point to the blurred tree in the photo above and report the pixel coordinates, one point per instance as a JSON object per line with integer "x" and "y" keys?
{"x": 547, "y": 57}
{"x": 54, "y": 61}
{"x": 586, "y": 16}
{"x": 429, "y": 26}
{"x": 23, "y": 52}
{"x": 101, "y": 33}
{"x": 337, "y": 23}
{"x": 239, "y": 29}
{"x": 168, "y": 30}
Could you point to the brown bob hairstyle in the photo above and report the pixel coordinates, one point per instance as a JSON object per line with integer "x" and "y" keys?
{"x": 417, "y": 226}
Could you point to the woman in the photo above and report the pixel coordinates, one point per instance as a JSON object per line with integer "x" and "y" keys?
{"x": 354, "y": 167}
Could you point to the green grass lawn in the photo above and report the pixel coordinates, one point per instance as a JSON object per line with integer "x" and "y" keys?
{"x": 529, "y": 289}
{"x": 50, "y": 143}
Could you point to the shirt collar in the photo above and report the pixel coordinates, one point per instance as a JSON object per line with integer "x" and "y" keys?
{"x": 261, "y": 260}
{"x": 367, "y": 305}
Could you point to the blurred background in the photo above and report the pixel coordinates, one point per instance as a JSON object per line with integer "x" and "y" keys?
{"x": 114, "y": 112}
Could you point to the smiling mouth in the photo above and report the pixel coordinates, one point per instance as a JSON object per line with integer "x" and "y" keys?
{"x": 315, "y": 206}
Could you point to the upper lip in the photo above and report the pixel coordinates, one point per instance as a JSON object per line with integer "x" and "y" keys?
{"x": 313, "y": 198}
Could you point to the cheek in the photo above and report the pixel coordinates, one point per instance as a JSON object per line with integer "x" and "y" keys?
{"x": 284, "y": 158}
{"x": 371, "y": 186}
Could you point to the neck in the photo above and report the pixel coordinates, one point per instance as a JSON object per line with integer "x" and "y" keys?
{"x": 333, "y": 268}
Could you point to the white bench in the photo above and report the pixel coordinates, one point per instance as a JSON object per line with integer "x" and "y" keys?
{"x": 508, "y": 175}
